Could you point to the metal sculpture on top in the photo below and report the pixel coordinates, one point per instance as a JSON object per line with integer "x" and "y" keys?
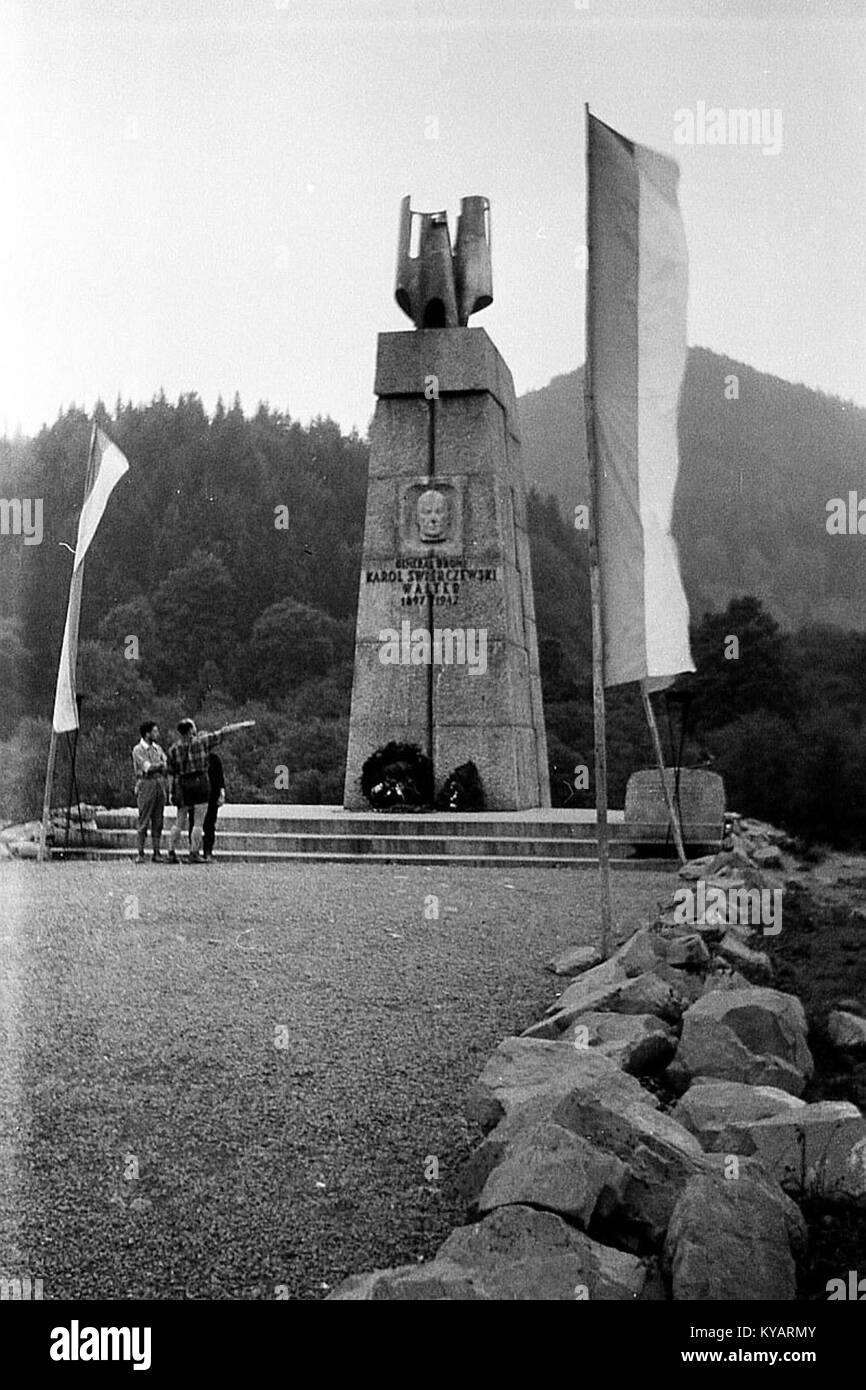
{"x": 436, "y": 287}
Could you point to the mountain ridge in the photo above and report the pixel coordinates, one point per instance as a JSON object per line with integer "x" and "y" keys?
{"x": 750, "y": 509}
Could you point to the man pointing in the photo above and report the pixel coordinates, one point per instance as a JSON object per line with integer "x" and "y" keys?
{"x": 190, "y": 786}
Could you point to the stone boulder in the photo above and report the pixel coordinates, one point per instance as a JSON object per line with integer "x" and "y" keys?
{"x": 762, "y": 830}
{"x": 531, "y": 1076}
{"x": 715, "y": 1112}
{"x": 574, "y": 960}
{"x": 712, "y": 927}
{"x": 609, "y": 972}
{"x": 755, "y": 966}
{"x": 548, "y": 1166}
{"x": 734, "y": 869}
{"x": 639, "y": 953}
{"x": 723, "y": 977}
{"x": 768, "y": 857}
{"x": 847, "y": 1031}
{"x": 686, "y": 952}
{"x": 816, "y": 1150}
{"x": 635, "y": 956}
{"x": 729, "y": 859}
{"x": 696, "y": 868}
{"x": 519, "y": 1254}
{"x": 23, "y": 831}
{"x": 550, "y": 1029}
{"x": 436, "y": 1281}
{"x": 659, "y": 1154}
{"x": 757, "y": 1036}
{"x": 687, "y": 985}
{"x": 642, "y": 994}
{"x": 639, "y": 1043}
{"x": 731, "y": 1239}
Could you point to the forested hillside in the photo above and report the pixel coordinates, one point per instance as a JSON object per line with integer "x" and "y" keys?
{"x": 757, "y": 469}
{"x": 223, "y": 584}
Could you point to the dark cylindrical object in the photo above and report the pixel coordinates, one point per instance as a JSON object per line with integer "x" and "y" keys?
{"x": 437, "y": 297}
{"x": 472, "y": 268}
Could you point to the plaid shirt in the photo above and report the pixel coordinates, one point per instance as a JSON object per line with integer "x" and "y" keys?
{"x": 191, "y": 756}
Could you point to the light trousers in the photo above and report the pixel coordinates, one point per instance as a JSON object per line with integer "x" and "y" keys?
{"x": 182, "y": 830}
{"x": 151, "y": 801}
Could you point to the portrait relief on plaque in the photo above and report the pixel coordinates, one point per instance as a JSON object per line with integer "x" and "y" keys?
{"x": 431, "y": 516}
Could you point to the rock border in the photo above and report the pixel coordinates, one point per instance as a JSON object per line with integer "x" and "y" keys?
{"x": 583, "y": 1187}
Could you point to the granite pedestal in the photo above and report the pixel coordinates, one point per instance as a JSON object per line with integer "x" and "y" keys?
{"x": 446, "y": 652}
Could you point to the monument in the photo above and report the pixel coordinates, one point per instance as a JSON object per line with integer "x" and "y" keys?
{"x": 446, "y": 651}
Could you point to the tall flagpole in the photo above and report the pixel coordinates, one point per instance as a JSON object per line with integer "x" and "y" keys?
{"x": 666, "y": 791}
{"x": 73, "y": 613}
{"x": 598, "y": 707}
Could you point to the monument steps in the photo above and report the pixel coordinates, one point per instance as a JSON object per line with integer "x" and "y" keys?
{"x": 472, "y": 861}
{"x": 316, "y": 834}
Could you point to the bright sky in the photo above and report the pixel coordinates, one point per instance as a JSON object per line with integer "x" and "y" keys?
{"x": 202, "y": 195}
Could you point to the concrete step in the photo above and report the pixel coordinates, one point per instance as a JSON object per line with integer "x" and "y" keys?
{"x": 510, "y": 861}
{"x": 549, "y": 824}
{"x": 282, "y": 833}
{"x": 488, "y": 847}
{"x": 358, "y": 842}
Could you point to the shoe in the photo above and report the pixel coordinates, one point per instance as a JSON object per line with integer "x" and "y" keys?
{"x": 157, "y": 857}
{"x": 139, "y": 859}
{"x": 207, "y": 859}
{"x": 172, "y": 858}
{"x": 194, "y": 858}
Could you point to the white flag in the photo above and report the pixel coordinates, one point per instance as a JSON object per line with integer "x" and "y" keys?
{"x": 109, "y": 466}
{"x": 638, "y": 281}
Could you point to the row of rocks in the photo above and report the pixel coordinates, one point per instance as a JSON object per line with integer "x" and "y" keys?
{"x": 21, "y": 840}
{"x": 584, "y": 1187}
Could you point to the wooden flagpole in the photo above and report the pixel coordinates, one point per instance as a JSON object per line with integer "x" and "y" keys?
{"x": 73, "y": 608}
{"x": 598, "y": 706}
{"x": 666, "y": 791}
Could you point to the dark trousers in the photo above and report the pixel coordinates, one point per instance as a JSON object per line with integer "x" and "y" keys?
{"x": 208, "y": 824}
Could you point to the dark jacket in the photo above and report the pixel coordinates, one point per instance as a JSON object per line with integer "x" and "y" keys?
{"x": 215, "y": 776}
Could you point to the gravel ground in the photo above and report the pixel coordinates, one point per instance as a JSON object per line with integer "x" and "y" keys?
{"x": 233, "y": 1082}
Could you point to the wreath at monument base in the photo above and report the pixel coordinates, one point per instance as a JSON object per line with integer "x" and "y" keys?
{"x": 398, "y": 777}
{"x": 462, "y": 790}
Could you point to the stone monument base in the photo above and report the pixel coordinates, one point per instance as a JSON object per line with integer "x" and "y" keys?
{"x": 701, "y": 797}
{"x": 446, "y": 651}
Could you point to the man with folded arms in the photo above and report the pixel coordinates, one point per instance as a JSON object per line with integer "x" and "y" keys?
{"x": 149, "y": 762}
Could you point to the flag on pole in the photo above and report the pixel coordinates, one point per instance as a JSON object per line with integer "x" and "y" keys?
{"x": 107, "y": 467}
{"x": 637, "y": 285}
